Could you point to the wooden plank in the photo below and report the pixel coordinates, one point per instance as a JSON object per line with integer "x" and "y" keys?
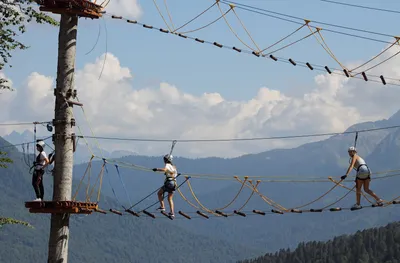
{"x": 81, "y": 13}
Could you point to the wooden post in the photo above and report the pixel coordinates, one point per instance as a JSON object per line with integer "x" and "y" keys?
{"x": 63, "y": 141}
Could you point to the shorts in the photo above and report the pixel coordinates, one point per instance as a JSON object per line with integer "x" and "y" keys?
{"x": 363, "y": 173}
{"x": 169, "y": 186}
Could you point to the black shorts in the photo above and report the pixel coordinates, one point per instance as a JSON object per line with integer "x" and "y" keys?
{"x": 169, "y": 186}
{"x": 368, "y": 178}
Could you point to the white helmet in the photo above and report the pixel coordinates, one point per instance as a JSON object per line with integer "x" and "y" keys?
{"x": 352, "y": 149}
{"x": 41, "y": 144}
{"x": 168, "y": 157}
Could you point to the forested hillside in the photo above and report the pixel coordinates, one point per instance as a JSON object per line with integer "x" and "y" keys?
{"x": 380, "y": 245}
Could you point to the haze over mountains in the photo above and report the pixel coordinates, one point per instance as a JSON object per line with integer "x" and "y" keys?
{"x": 252, "y": 234}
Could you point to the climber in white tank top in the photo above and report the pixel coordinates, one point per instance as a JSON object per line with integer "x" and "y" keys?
{"x": 169, "y": 186}
{"x": 363, "y": 177}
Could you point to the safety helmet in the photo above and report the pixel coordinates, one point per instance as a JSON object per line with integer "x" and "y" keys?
{"x": 41, "y": 144}
{"x": 352, "y": 149}
{"x": 168, "y": 157}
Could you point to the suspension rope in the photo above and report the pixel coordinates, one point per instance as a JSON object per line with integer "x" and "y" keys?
{"x": 317, "y": 199}
{"x": 88, "y": 168}
{"x": 263, "y": 197}
{"x": 207, "y": 25}
{"x": 198, "y": 201}
{"x": 376, "y": 56}
{"x": 186, "y": 180}
{"x": 380, "y": 63}
{"x": 172, "y": 147}
{"x": 193, "y": 205}
{"x": 340, "y": 199}
{"x": 345, "y": 187}
{"x": 248, "y": 199}
{"x": 231, "y": 29}
{"x": 169, "y": 14}
{"x": 195, "y": 17}
{"x": 251, "y": 195}
{"x": 292, "y": 43}
{"x": 326, "y": 48}
{"x": 245, "y": 29}
{"x": 236, "y": 196}
{"x": 283, "y": 38}
{"x": 109, "y": 181}
{"x": 100, "y": 180}
{"x": 123, "y": 184}
{"x": 159, "y": 11}
{"x": 355, "y": 140}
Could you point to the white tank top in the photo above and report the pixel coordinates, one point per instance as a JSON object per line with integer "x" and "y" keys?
{"x": 170, "y": 170}
{"x": 360, "y": 161}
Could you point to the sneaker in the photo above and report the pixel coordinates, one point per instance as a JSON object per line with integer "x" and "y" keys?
{"x": 171, "y": 215}
{"x": 37, "y": 200}
{"x": 356, "y": 206}
{"x": 379, "y": 202}
{"x": 161, "y": 209}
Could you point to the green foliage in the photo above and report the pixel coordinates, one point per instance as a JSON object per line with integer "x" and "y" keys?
{"x": 16, "y": 14}
{"x": 371, "y": 245}
{"x": 11, "y": 221}
{"x": 4, "y": 160}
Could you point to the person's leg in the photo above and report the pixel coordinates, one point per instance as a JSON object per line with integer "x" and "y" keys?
{"x": 359, "y": 184}
{"x": 369, "y": 191}
{"x": 171, "y": 202}
{"x": 160, "y": 197}
{"x": 41, "y": 188}
{"x": 35, "y": 183}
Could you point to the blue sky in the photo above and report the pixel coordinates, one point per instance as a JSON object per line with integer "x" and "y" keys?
{"x": 197, "y": 68}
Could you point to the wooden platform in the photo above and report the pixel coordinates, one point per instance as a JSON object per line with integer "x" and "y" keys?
{"x": 81, "y": 8}
{"x": 61, "y": 207}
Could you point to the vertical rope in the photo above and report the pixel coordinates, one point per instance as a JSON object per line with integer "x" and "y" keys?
{"x": 355, "y": 140}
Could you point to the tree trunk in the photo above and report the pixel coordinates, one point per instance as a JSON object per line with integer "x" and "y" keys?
{"x": 59, "y": 231}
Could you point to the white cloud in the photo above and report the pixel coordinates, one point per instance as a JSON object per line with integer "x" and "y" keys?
{"x": 118, "y": 109}
{"x": 130, "y": 8}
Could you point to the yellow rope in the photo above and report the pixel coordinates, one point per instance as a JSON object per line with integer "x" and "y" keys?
{"x": 245, "y": 29}
{"x": 392, "y": 56}
{"x": 345, "y": 187}
{"x": 340, "y": 199}
{"x": 290, "y": 44}
{"x": 386, "y": 49}
{"x": 326, "y": 48}
{"x": 169, "y": 14}
{"x": 390, "y": 202}
{"x": 234, "y": 199}
{"x": 266, "y": 199}
{"x": 282, "y": 39}
{"x": 89, "y": 166}
{"x": 108, "y": 1}
{"x": 195, "y": 206}
{"x": 209, "y": 24}
{"x": 191, "y": 20}
{"x": 319, "y": 198}
{"x": 99, "y": 178}
{"x": 197, "y": 200}
{"x": 333, "y": 55}
{"x": 233, "y": 31}
{"x": 251, "y": 195}
{"x": 159, "y": 11}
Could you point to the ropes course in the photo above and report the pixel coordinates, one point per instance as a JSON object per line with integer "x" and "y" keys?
{"x": 93, "y": 10}
{"x": 202, "y": 211}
